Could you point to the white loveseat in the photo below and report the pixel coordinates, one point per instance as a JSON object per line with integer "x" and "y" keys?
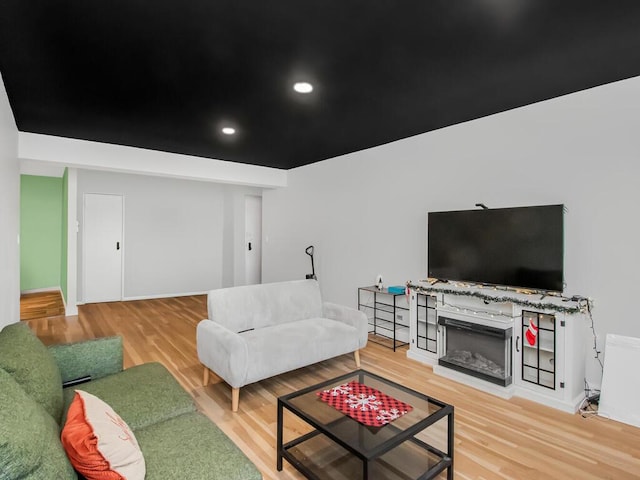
{"x": 254, "y": 332}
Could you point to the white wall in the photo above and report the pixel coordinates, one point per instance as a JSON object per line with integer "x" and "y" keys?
{"x": 9, "y": 214}
{"x": 176, "y": 238}
{"x": 366, "y": 212}
{"x": 38, "y": 152}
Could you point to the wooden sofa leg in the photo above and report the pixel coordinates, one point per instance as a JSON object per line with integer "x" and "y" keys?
{"x": 235, "y": 398}
{"x": 357, "y": 355}
{"x": 205, "y": 377}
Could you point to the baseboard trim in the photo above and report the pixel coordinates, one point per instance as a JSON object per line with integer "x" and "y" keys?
{"x": 40, "y": 290}
{"x": 162, "y": 295}
{"x": 150, "y": 297}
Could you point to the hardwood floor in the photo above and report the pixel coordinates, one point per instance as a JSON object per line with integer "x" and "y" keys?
{"x": 41, "y": 304}
{"x": 494, "y": 438}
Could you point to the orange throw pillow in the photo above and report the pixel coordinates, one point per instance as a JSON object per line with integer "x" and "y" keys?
{"x": 99, "y": 444}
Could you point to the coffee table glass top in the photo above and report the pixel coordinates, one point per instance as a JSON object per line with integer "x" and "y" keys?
{"x": 365, "y": 440}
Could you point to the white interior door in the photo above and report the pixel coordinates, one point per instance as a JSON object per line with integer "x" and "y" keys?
{"x": 102, "y": 247}
{"x": 253, "y": 240}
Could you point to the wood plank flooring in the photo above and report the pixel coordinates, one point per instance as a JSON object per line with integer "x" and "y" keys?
{"x": 41, "y": 304}
{"x": 494, "y": 438}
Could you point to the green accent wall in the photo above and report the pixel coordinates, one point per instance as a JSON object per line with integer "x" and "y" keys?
{"x": 41, "y": 206}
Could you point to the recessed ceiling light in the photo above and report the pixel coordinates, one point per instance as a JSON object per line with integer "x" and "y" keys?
{"x": 303, "y": 87}
{"x": 228, "y": 130}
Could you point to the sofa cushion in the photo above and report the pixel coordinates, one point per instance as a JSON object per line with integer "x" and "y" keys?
{"x": 281, "y": 348}
{"x": 99, "y": 444}
{"x": 256, "y": 306}
{"x": 191, "y": 446}
{"x": 29, "y": 444}
{"x": 95, "y": 357}
{"x": 30, "y": 363}
{"x": 141, "y": 395}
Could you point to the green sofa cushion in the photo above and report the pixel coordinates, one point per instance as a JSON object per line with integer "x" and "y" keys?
{"x": 191, "y": 446}
{"x": 30, "y": 447}
{"x": 97, "y": 357}
{"x": 30, "y": 363}
{"x": 141, "y": 395}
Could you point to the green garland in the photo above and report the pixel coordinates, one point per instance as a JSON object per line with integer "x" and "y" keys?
{"x": 579, "y": 304}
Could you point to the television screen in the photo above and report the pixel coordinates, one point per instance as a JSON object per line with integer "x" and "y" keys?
{"x": 516, "y": 247}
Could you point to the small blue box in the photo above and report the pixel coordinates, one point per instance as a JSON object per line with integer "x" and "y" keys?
{"x": 396, "y": 289}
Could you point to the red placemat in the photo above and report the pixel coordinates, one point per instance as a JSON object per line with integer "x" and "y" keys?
{"x": 364, "y": 404}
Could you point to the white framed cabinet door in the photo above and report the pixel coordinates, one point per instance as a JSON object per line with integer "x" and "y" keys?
{"x": 549, "y": 358}
{"x": 424, "y": 332}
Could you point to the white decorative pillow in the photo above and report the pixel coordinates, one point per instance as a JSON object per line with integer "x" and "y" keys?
{"x": 99, "y": 444}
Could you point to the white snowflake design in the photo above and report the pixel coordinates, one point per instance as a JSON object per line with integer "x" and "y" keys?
{"x": 363, "y": 402}
{"x": 386, "y": 416}
{"x": 339, "y": 390}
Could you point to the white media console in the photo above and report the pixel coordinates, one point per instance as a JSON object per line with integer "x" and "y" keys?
{"x": 503, "y": 342}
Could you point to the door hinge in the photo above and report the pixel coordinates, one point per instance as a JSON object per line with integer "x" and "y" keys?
{"x": 562, "y": 323}
{"x": 561, "y": 384}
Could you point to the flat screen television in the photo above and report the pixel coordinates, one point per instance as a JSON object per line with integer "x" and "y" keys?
{"x": 515, "y": 247}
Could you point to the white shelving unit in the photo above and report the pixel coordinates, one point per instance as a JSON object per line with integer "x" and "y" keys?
{"x": 388, "y": 316}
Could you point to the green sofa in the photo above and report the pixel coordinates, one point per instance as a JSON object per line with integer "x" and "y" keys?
{"x": 176, "y": 441}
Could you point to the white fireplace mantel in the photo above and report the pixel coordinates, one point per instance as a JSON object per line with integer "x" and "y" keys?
{"x": 551, "y": 371}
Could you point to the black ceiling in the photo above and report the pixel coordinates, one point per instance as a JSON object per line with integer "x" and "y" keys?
{"x": 167, "y": 74}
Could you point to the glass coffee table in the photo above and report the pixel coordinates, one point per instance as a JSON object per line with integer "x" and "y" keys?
{"x": 332, "y": 445}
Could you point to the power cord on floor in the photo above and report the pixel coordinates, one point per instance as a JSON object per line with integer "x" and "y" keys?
{"x": 589, "y": 405}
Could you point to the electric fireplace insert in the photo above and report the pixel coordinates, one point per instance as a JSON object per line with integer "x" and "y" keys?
{"x": 477, "y": 349}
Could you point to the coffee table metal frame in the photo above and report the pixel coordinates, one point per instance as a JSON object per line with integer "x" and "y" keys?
{"x": 368, "y": 456}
